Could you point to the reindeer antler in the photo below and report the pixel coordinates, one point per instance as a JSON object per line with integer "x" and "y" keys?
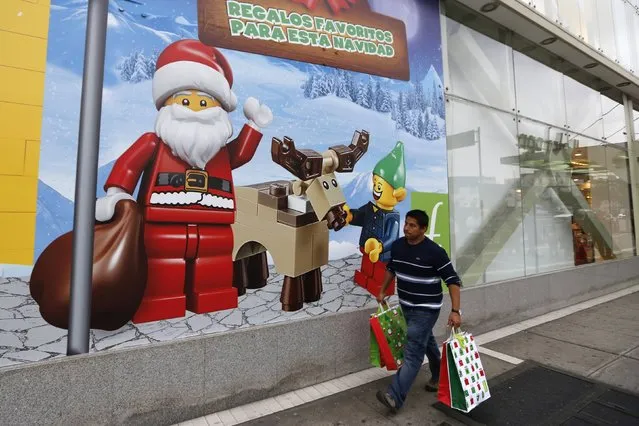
{"x": 308, "y": 164}
{"x": 305, "y": 164}
{"x": 342, "y": 158}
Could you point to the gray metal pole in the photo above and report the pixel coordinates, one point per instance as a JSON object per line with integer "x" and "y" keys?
{"x": 86, "y": 177}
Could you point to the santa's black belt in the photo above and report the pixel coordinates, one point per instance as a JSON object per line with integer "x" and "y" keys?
{"x": 193, "y": 180}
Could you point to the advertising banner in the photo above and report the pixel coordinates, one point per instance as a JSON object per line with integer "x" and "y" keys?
{"x": 257, "y": 159}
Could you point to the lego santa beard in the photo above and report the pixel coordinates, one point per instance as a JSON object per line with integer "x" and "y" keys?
{"x": 193, "y": 136}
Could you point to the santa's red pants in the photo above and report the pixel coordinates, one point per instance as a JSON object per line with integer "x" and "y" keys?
{"x": 189, "y": 267}
{"x": 371, "y": 276}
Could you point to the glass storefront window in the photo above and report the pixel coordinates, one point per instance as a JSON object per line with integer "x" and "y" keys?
{"x": 618, "y": 210}
{"x": 606, "y": 29}
{"x": 480, "y": 68}
{"x": 614, "y": 121}
{"x": 590, "y": 22}
{"x": 569, "y": 15}
{"x": 539, "y": 91}
{"x": 548, "y": 8}
{"x": 583, "y": 109}
{"x": 483, "y": 189}
{"x": 622, "y": 33}
{"x": 546, "y": 187}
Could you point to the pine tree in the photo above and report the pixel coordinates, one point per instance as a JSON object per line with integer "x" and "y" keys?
{"x": 308, "y": 86}
{"x": 362, "y": 95}
{"x": 341, "y": 85}
{"x": 410, "y": 98}
{"x": 352, "y": 86}
{"x": 379, "y": 95}
{"x": 151, "y": 63}
{"x": 421, "y": 128}
{"x": 386, "y": 103}
{"x": 394, "y": 109}
{"x": 322, "y": 87}
{"x": 127, "y": 66}
{"x": 140, "y": 69}
{"x": 401, "y": 112}
{"x": 432, "y": 131}
{"x": 438, "y": 106}
{"x": 370, "y": 95}
{"x": 420, "y": 99}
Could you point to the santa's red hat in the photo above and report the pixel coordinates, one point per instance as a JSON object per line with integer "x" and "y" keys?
{"x": 191, "y": 64}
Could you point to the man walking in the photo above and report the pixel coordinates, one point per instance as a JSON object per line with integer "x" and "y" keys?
{"x": 419, "y": 264}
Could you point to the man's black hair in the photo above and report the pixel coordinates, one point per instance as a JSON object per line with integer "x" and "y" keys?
{"x": 420, "y": 217}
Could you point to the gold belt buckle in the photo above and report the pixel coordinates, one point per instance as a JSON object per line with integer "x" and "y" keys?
{"x": 196, "y": 180}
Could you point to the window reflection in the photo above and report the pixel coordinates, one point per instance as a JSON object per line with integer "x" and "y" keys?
{"x": 606, "y": 28}
{"x": 583, "y": 109}
{"x": 614, "y": 121}
{"x": 569, "y": 15}
{"x": 480, "y": 68}
{"x": 485, "y": 210}
{"x": 590, "y": 23}
{"x": 539, "y": 91}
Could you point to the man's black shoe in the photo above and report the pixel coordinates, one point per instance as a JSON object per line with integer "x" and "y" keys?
{"x": 387, "y": 400}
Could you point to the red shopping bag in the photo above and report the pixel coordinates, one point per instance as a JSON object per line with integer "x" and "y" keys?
{"x": 443, "y": 390}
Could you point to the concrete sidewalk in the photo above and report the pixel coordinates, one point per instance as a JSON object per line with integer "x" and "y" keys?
{"x": 598, "y": 339}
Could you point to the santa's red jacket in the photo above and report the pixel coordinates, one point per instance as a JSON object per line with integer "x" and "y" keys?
{"x": 172, "y": 191}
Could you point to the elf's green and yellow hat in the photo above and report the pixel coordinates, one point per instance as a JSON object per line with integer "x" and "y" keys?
{"x": 392, "y": 167}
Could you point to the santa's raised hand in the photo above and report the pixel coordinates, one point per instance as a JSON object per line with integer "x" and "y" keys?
{"x": 259, "y": 115}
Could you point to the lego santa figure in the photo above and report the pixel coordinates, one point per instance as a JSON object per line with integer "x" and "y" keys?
{"x": 186, "y": 191}
{"x": 379, "y": 220}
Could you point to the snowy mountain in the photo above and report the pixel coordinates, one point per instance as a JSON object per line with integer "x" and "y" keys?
{"x": 432, "y": 83}
{"x": 54, "y": 217}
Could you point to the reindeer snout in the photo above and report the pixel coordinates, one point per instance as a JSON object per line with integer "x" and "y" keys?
{"x": 336, "y": 217}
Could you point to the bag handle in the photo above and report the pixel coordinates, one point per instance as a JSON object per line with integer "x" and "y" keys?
{"x": 457, "y": 335}
{"x": 382, "y": 306}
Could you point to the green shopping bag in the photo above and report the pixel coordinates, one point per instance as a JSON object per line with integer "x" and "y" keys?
{"x": 462, "y": 380}
{"x": 375, "y": 357}
{"x": 388, "y": 328}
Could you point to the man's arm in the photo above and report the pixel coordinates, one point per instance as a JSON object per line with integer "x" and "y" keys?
{"x": 448, "y": 274}
{"x": 388, "y": 276}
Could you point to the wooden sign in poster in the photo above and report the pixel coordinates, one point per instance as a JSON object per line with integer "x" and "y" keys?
{"x": 338, "y": 33}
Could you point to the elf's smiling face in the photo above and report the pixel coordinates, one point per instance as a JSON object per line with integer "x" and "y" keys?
{"x": 383, "y": 194}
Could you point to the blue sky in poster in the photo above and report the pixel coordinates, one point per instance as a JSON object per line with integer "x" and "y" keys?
{"x": 141, "y": 27}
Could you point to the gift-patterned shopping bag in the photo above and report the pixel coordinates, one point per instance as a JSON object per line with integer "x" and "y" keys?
{"x": 462, "y": 380}
{"x": 388, "y": 326}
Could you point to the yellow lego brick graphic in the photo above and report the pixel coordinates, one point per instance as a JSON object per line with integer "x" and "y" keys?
{"x": 18, "y": 194}
{"x": 20, "y": 121}
{"x": 24, "y": 52}
{"x": 17, "y": 230}
{"x": 12, "y": 156}
{"x": 16, "y": 257}
{"x": 21, "y": 86}
{"x": 26, "y": 17}
{"x": 32, "y": 158}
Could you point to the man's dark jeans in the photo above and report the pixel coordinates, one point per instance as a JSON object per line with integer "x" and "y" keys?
{"x": 420, "y": 342}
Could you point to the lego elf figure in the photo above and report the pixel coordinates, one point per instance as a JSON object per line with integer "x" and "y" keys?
{"x": 379, "y": 220}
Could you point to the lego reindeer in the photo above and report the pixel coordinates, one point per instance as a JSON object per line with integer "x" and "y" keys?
{"x": 291, "y": 220}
